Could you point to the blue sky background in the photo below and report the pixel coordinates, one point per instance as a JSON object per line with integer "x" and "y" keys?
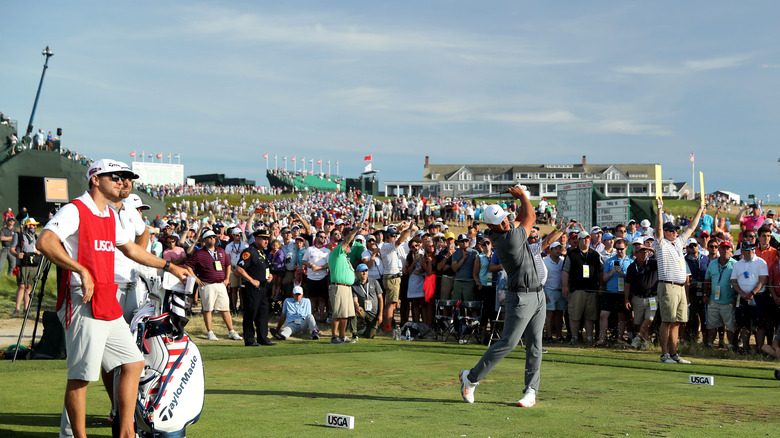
{"x": 222, "y": 83}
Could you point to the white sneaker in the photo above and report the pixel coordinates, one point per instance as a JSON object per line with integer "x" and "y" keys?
{"x": 678, "y": 359}
{"x": 211, "y": 336}
{"x": 234, "y": 336}
{"x": 466, "y": 387}
{"x": 528, "y": 400}
{"x": 667, "y": 359}
{"x": 637, "y": 342}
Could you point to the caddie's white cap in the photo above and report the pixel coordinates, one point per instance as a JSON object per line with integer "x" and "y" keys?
{"x": 106, "y": 165}
{"x": 297, "y": 290}
{"x": 494, "y": 214}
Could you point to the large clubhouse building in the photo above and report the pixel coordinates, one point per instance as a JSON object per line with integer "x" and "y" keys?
{"x": 467, "y": 180}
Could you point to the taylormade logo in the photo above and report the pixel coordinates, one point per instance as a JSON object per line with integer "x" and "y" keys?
{"x": 168, "y": 414}
{"x": 104, "y": 245}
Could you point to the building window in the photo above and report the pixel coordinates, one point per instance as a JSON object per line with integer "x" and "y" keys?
{"x": 542, "y": 176}
{"x": 434, "y": 176}
{"x": 559, "y": 176}
{"x": 446, "y": 186}
{"x": 552, "y": 188}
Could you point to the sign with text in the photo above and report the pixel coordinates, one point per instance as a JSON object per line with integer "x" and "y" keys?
{"x": 342, "y": 421}
{"x": 575, "y": 201}
{"x": 611, "y": 212}
{"x": 701, "y": 380}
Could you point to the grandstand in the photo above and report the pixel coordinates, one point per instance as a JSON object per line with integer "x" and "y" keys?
{"x": 298, "y": 181}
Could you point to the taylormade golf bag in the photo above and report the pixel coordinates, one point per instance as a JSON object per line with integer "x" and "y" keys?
{"x": 171, "y": 389}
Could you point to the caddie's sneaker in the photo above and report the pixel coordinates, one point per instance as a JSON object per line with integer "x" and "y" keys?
{"x": 528, "y": 400}
{"x": 212, "y": 337}
{"x": 678, "y": 359}
{"x": 234, "y": 336}
{"x": 637, "y": 342}
{"x": 667, "y": 359}
{"x": 466, "y": 387}
{"x": 336, "y": 341}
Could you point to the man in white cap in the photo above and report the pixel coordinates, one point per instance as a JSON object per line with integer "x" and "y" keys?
{"x": 525, "y": 300}
{"x": 81, "y": 239}
{"x": 296, "y": 316}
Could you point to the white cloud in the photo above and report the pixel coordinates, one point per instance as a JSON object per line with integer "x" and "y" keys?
{"x": 554, "y": 116}
{"x": 630, "y": 127}
{"x": 695, "y": 65}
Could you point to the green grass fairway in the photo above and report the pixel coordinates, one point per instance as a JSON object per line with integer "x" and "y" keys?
{"x": 411, "y": 389}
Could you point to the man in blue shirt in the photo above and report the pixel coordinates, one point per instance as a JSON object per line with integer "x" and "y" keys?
{"x": 296, "y": 315}
{"x": 719, "y": 296}
{"x": 611, "y": 300}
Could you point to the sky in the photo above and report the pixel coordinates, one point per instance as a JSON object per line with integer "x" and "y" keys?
{"x": 222, "y": 83}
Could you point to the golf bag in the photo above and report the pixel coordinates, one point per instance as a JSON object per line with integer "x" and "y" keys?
{"x": 171, "y": 389}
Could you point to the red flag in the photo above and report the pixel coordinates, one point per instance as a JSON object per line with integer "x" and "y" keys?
{"x": 367, "y": 158}
{"x": 159, "y": 156}
{"x": 265, "y": 156}
{"x": 310, "y": 173}
{"x": 132, "y": 154}
{"x": 293, "y": 159}
{"x": 691, "y": 155}
{"x": 319, "y": 161}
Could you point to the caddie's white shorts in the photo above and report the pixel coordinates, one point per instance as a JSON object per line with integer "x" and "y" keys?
{"x": 91, "y": 343}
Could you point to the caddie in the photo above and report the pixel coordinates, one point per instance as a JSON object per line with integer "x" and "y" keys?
{"x": 81, "y": 239}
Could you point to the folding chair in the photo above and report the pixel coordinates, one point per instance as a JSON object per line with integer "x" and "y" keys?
{"x": 443, "y": 324}
{"x": 469, "y": 324}
{"x": 495, "y": 330}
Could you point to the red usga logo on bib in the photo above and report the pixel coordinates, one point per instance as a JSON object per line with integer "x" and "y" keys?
{"x": 104, "y": 245}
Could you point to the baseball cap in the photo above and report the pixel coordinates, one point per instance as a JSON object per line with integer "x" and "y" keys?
{"x": 607, "y": 236}
{"x": 462, "y": 237}
{"x": 339, "y": 222}
{"x": 692, "y": 242}
{"x": 768, "y": 221}
{"x": 360, "y": 237}
{"x": 236, "y": 231}
{"x": 494, "y": 214}
{"x": 297, "y": 290}
{"x": 595, "y": 230}
{"x": 31, "y": 221}
{"x": 370, "y": 238}
{"x": 646, "y": 248}
{"x": 449, "y": 235}
{"x": 645, "y": 223}
{"x": 668, "y": 226}
{"x": 361, "y": 267}
{"x": 209, "y": 233}
{"x": 704, "y": 233}
{"x": 106, "y": 165}
{"x": 285, "y": 230}
{"x": 583, "y": 234}
{"x": 555, "y": 245}
{"x": 631, "y": 221}
{"x": 771, "y": 211}
{"x": 11, "y": 219}
{"x": 300, "y": 238}
{"x": 392, "y": 232}
{"x": 725, "y": 244}
{"x": 134, "y": 201}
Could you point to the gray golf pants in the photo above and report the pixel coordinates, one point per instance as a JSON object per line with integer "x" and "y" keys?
{"x": 525, "y": 315}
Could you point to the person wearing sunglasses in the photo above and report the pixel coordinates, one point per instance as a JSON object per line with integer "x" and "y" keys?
{"x": 611, "y": 299}
{"x": 697, "y": 313}
{"x": 672, "y": 276}
{"x": 749, "y": 278}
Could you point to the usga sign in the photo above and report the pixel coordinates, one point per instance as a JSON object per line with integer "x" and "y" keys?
{"x": 342, "y": 421}
{"x": 701, "y": 380}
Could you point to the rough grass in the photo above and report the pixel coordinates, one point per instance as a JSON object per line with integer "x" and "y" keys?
{"x": 411, "y": 389}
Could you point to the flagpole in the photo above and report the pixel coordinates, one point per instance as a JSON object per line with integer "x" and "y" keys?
{"x": 303, "y": 163}
{"x": 337, "y": 168}
{"x": 328, "y": 168}
{"x": 142, "y": 155}
{"x": 693, "y": 173}
{"x": 276, "y": 161}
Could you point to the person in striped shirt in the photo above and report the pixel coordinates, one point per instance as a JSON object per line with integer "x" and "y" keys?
{"x": 672, "y": 300}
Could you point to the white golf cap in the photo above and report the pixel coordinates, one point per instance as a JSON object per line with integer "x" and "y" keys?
{"x": 555, "y": 245}
{"x": 297, "y": 290}
{"x": 494, "y": 214}
{"x": 208, "y": 233}
{"x": 583, "y": 234}
{"x": 135, "y": 201}
{"x": 106, "y": 165}
{"x": 692, "y": 242}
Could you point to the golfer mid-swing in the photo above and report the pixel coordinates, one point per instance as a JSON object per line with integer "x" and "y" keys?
{"x": 525, "y": 302}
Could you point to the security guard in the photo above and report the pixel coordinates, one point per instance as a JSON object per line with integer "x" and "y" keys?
{"x": 254, "y": 268}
